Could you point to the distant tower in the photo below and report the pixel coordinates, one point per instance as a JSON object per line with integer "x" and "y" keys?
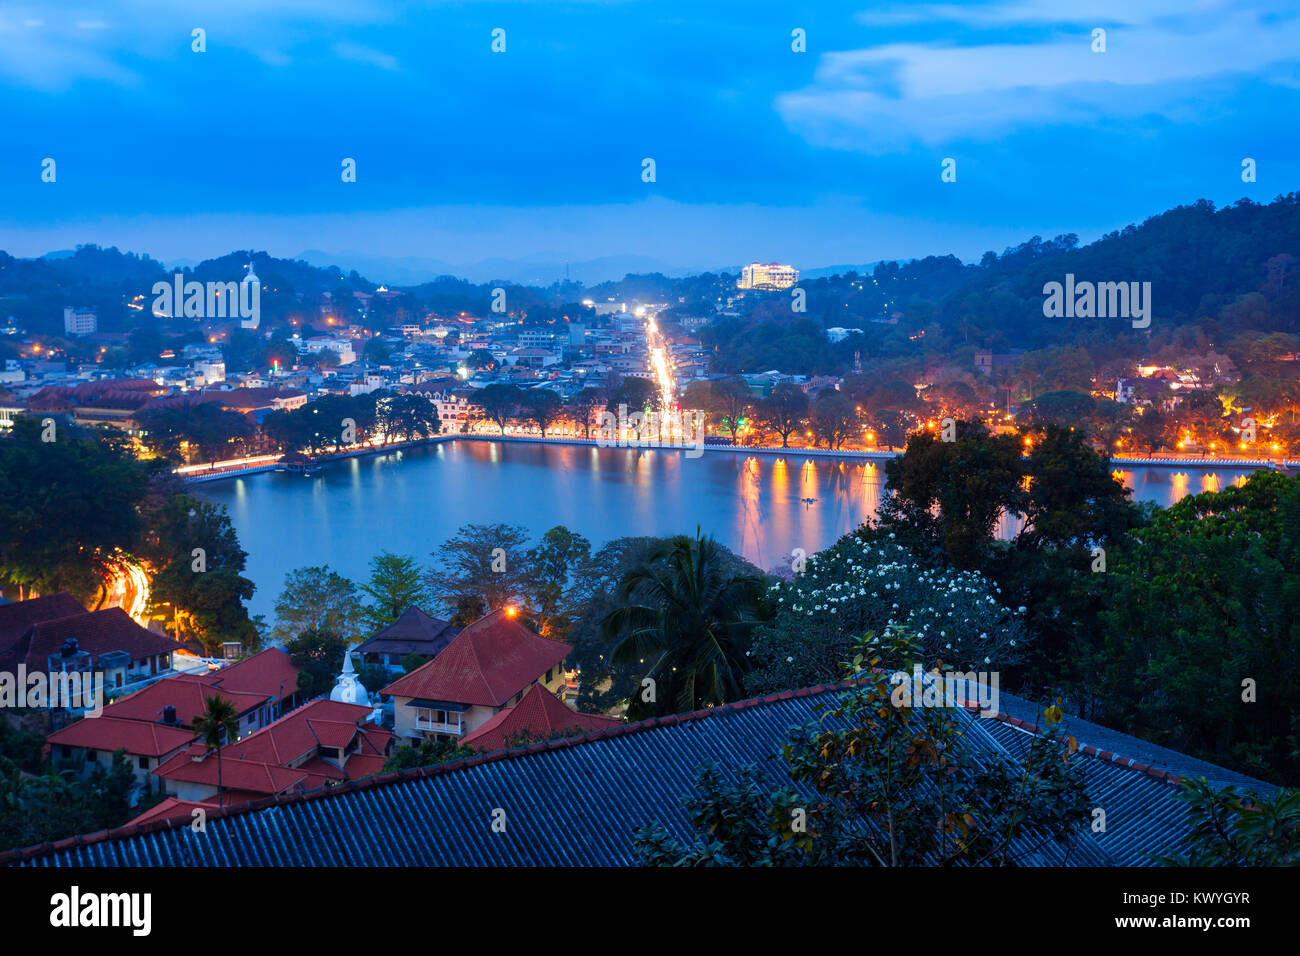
{"x": 857, "y": 361}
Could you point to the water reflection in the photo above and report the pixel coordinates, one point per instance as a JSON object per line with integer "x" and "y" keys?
{"x": 762, "y": 505}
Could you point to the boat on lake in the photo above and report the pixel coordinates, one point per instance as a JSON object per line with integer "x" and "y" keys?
{"x": 295, "y": 462}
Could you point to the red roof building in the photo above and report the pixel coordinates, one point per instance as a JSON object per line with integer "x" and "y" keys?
{"x": 17, "y": 616}
{"x": 321, "y": 742}
{"x": 488, "y": 666}
{"x": 270, "y": 673}
{"x": 538, "y": 716}
{"x": 170, "y": 808}
{"x": 108, "y": 641}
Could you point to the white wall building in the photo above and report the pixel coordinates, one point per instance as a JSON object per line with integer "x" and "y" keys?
{"x": 770, "y": 275}
{"x": 80, "y": 321}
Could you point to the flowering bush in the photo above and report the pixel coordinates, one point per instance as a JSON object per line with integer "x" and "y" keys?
{"x": 858, "y": 585}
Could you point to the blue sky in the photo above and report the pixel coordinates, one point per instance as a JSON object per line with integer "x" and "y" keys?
{"x": 817, "y": 158}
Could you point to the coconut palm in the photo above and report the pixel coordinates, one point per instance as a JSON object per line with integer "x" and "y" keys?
{"x": 687, "y": 612}
{"x": 215, "y": 726}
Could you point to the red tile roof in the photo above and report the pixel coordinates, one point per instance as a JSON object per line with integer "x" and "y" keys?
{"x": 172, "y": 807}
{"x": 365, "y": 765}
{"x": 137, "y": 737}
{"x": 188, "y": 694}
{"x": 540, "y": 715}
{"x": 269, "y": 673}
{"x": 321, "y": 723}
{"x": 18, "y": 616}
{"x": 488, "y": 663}
{"x": 96, "y": 632}
{"x": 324, "y": 768}
{"x": 247, "y": 775}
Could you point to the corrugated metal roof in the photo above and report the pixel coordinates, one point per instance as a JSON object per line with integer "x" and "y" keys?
{"x": 573, "y": 802}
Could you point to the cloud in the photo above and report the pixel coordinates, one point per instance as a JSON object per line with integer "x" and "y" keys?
{"x": 884, "y": 98}
{"x": 364, "y": 54}
{"x": 51, "y": 55}
{"x": 115, "y": 40}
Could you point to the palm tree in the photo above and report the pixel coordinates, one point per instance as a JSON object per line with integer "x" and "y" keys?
{"x": 689, "y": 611}
{"x": 216, "y": 725}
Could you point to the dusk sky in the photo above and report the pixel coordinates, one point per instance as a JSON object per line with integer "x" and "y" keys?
{"x": 819, "y": 158}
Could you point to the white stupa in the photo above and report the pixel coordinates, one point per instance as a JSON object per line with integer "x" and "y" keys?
{"x": 347, "y": 689}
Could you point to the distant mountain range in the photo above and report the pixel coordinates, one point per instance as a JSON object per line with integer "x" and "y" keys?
{"x": 539, "y": 270}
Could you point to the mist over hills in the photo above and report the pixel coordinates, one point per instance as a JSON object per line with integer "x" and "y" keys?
{"x": 1226, "y": 266}
{"x": 538, "y": 270}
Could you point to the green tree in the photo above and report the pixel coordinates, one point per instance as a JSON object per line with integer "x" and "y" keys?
{"x": 217, "y": 726}
{"x": 585, "y": 402}
{"x": 482, "y": 568}
{"x": 429, "y": 752}
{"x": 317, "y": 599}
{"x": 542, "y": 406}
{"x": 555, "y": 568}
{"x": 377, "y": 351}
{"x": 318, "y": 655}
{"x": 684, "y": 616}
{"x": 784, "y": 411}
{"x": 730, "y": 399}
{"x": 194, "y": 546}
{"x": 945, "y": 498}
{"x": 396, "y": 583}
{"x": 67, "y": 507}
{"x": 638, "y": 394}
{"x": 499, "y": 403}
{"x": 893, "y": 785}
{"x": 1232, "y": 828}
{"x": 1202, "y": 607}
{"x": 833, "y": 418}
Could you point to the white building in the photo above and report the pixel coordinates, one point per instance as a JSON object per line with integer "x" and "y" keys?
{"x": 80, "y": 321}
{"x": 771, "y": 275}
{"x": 212, "y": 370}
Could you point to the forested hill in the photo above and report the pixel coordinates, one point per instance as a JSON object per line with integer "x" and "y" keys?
{"x": 1200, "y": 262}
{"x": 1219, "y": 272}
{"x": 1216, "y": 275}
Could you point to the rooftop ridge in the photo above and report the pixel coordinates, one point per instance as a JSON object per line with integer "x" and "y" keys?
{"x": 8, "y": 857}
{"x": 17, "y": 855}
{"x": 1106, "y": 756}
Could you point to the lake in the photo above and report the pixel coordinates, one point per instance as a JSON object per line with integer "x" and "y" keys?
{"x": 413, "y": 500}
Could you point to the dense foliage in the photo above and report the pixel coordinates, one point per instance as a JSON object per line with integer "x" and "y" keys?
{"x": 862, "y": 584}
{"x": 873, "y": 784}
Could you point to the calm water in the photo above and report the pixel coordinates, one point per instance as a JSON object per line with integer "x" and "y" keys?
{"x": 412, "y": 501}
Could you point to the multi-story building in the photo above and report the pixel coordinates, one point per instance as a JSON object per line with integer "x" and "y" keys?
{"x": 771, "y": 275}
{"x": 80, "y": 321}
{"x": 487, "y": 667}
